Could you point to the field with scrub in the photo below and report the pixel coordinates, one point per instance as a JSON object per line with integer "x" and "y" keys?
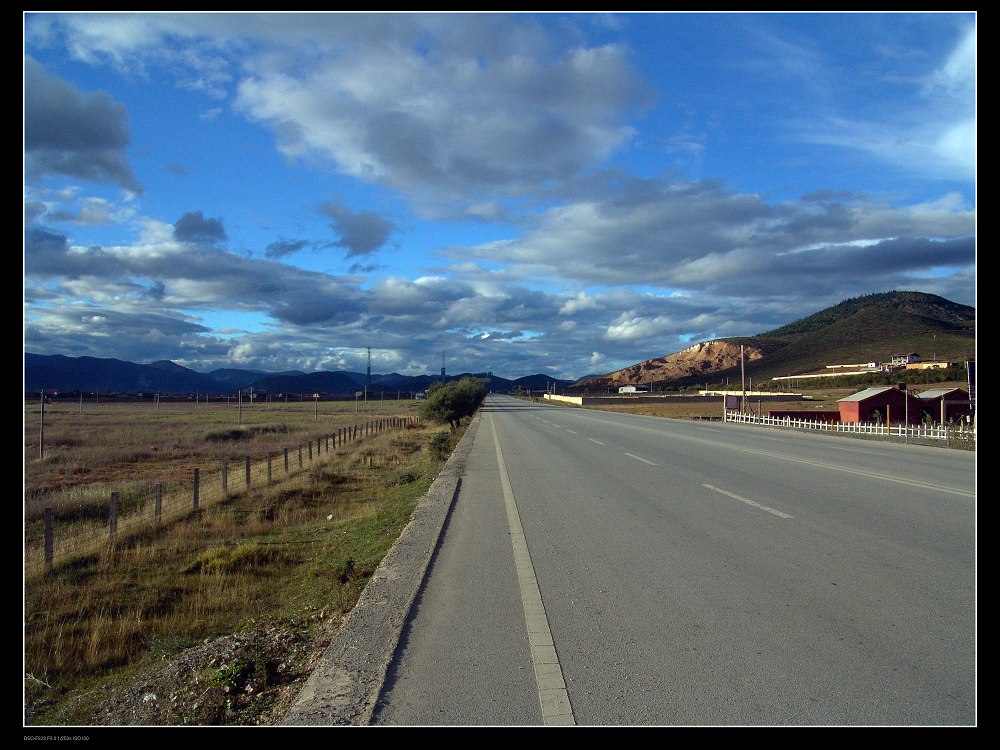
{"x": 217, "y": 615}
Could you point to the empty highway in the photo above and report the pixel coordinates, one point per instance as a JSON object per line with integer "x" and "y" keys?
{"x": 604, "y": 569}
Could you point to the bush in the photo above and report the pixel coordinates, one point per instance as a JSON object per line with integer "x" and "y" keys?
{"x": 450, "y": 403}
{"x": 441, "y": 446}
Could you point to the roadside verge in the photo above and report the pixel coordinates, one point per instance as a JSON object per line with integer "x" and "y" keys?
{"x": 345, "y": 685}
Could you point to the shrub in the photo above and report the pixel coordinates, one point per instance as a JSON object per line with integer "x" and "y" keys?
{"x": 441, "y": 446}
{"x": 450, "y": 403}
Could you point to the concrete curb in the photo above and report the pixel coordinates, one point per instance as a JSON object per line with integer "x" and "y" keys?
{"x": 344, "y": 687}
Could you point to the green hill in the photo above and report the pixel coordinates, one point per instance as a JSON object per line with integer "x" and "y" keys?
{"x": 873, "y": 327}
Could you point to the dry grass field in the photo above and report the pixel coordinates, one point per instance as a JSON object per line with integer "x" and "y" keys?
{"x": 279, "y": 562}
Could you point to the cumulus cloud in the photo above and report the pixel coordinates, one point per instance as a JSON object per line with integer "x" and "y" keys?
{"x": 578, "y": 303}
{"x": 194, "y": 277}
{"x": 195, "y": 228}
{"x": 360, "y": 232}
{"x": 92, "y": 148}
{"x": 427, "y": 112}
{"x": 701, "y": 236}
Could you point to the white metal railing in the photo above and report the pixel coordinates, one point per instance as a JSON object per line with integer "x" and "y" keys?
{"x": 929, "y": 431}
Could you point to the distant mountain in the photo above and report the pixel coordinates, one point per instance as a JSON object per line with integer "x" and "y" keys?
{"x": 232, "y": 379}
{"x": 91, "y": 374}
{"x": 538, "y": 382}
{"x": 327, "y": 383}
{"x": 862, "y": 329}
{"x": 392, "y": 380}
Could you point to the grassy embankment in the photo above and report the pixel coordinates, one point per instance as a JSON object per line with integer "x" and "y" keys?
{"x": 293, "y": 554}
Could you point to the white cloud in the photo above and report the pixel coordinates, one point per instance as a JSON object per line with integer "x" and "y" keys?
{"x": 580, "y": 302}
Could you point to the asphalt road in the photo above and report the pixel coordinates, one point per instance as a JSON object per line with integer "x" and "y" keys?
{"x": 683, "y": 573}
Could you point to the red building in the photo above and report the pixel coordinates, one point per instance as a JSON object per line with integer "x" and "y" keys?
{"x": 946, "y": 404}
{"x": 884, "y": 404}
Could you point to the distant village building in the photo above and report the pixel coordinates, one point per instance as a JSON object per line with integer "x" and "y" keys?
{"x": 938, "y": 365}
{"x": 902, "y": 360}
{"x": 630, "y": 389}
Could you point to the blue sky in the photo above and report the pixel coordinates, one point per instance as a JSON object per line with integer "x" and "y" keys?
{"x": 564, "y": 194}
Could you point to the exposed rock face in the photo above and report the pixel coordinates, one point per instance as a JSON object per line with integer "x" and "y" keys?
{"x": 704, "y": 358}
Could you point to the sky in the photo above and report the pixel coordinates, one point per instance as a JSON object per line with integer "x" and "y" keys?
{"x": 565, "y": 194}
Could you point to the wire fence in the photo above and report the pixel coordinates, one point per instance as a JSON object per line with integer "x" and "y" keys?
{"x": 48, "y": 546}
{"x": 924, "y": 431}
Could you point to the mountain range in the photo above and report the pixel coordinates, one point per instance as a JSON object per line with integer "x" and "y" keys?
{"x": 60, "y": 373}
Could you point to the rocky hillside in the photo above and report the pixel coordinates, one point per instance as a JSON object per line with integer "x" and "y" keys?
{"x": 704, "y": 358}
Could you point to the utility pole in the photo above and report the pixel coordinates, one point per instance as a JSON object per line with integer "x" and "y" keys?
{"x": 743, "y": 381}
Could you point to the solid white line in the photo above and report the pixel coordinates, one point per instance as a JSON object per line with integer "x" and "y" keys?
{"x": 857, "y": 450}
{"x": 553, "y": 698}
{"x": 748, "y": 502}
{"x": 572, "y": 432}
{"x": 595, "y": 441}
{"x": 639, "y": 458}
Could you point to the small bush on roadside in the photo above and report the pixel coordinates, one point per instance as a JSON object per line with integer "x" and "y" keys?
{"x": 450, "y": 403}
{"x": 441, "y": 446}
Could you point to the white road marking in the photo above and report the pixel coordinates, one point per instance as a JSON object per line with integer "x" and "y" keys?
{"x": 778, "y": 513}
{"x": 857, "y": 450}
{"x": 595, "y": 441}
{"x": 715, "y": 445}
{"x": 572, "y": 432}
{"x": 640, "y": 458}
{"x": 553, "y": 698}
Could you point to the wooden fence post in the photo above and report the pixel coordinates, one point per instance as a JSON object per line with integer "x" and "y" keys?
{"x": 49, "y": 545}
{"x": 286, "y": 460}
{"x": 225, "y": 475}
{"x": 197, "y": 475}
{"x": 310, "y": 450}
{"x": 248, "y": 470}
{"x": 300, "y": 456}
{"x": 113, "y": 520}
{"x": 158, "y": 503}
